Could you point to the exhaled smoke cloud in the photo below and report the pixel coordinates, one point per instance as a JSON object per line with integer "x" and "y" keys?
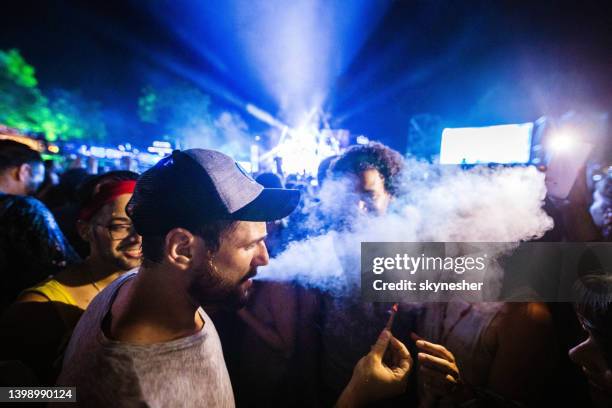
{"x": 437, "y": 204}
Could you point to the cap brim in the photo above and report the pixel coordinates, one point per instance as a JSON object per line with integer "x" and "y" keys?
{"x": 271, "y": 204}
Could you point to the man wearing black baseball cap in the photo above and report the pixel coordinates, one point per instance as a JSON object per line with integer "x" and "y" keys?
{"x": 145, "y": 339}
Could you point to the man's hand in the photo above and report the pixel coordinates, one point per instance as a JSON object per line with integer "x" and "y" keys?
{"x": 438, "y": 368}
{"x": 382, "y": 373}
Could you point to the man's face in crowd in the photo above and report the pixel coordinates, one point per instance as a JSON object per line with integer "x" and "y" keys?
{"x": 372, "y": 196}
{"x": 589, "y": 356}
{"x": 352, "y": 196}
{"x": 112, "y": 237}
{"x": 225, "y": 279}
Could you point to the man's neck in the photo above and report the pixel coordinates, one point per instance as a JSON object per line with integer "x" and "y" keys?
{"x": 8, "y": 185}
{"x": 7, "y": 189}
{"x": 153, "y": 308}
{"x": 100, "y": 272}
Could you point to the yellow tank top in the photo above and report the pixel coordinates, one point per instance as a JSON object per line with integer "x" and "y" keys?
{"x": 67, "y": 308}
{"x": 52, "y": 290}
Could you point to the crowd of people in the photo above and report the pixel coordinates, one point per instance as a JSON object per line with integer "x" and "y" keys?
{"x": 138, "y": 290}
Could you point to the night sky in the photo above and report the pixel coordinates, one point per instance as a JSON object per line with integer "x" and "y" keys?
{"x": 470, "y": 62}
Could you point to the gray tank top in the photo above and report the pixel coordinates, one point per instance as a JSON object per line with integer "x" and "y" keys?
{"x": 187, "y": 372}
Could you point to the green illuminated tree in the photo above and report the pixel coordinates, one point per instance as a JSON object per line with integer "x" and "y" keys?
{"x": 65, "y": 115}
{"x": 22, "y": 105}
{"x": 148, "y": 105}
{"x": 178, "y": 111}
{"x": 174, "y": 107}
{"x": 182, "y": 112}
{"x": 17, "y": 69}
{"x": 76, "y": 117}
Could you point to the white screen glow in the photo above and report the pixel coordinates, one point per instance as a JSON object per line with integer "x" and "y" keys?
{"x": 489, "y": 144}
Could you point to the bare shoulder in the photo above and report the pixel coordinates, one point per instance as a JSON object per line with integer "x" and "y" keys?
{"x": 523, "y": 318}
{"x": 32, "y": 297}
{"x": 526, "y": 314}
{"x": 532, "y": 319}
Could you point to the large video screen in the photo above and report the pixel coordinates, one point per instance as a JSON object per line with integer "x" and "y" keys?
{"x": 489, "y": 144}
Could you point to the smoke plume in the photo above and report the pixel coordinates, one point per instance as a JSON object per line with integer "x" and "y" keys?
{"x": 437, "y": 204}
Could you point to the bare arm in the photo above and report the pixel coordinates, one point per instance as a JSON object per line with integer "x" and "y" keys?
{"x": 525, "y": 350}
{"x": 522, "y": 339}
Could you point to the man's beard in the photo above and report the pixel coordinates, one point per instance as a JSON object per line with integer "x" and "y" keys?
{"x": 111, "y": 258}
{"x": 31, "y": 186}
{"x": 209, "y": 289}
{"x": 124, "y": 264}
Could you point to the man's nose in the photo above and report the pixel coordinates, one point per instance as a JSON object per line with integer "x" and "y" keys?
{"x": 262, "y": 258}
{"x": 133, "y": 236}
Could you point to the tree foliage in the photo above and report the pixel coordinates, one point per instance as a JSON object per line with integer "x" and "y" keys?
{"x": 63, "y": 115}
{"x": 182, "y": 112}
{"x": 174, "y": 107}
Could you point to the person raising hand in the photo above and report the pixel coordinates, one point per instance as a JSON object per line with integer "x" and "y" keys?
{"x": 382, "y": 373}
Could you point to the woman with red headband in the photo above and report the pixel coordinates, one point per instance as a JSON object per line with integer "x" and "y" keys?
{"x": 37, "y": 327}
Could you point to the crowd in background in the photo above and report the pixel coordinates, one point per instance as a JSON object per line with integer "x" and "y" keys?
{"x": 65, "y": 236}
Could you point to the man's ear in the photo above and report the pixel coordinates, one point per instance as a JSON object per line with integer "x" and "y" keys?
{"x": 180, "y": 247}
{"x": 24, "y": 172}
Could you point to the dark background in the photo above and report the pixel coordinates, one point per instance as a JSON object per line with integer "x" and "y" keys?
{"x": 470, "y": 62}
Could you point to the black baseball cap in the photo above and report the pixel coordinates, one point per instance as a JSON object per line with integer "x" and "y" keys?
{"x": 194, "y": 186}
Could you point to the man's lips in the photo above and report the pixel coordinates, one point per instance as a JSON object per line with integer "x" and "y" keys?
{"x": 249, "y": 276}
{"x": 133, "y": 253}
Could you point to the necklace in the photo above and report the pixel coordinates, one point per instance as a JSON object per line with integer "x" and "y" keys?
{"x": 92, "y": 281}
{"x": 95, "y": 286}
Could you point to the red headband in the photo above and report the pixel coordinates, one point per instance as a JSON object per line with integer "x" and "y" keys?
{"x": 107, "y": 193}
